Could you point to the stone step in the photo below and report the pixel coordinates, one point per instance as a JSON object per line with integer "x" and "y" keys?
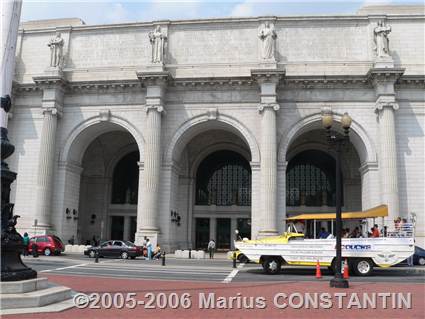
{"x": 17, "y": 287}
{"x": 38, "y": 298}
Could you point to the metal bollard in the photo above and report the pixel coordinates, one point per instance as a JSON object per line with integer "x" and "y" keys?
{"x": 234, "y": 259}
{"x": 163, "y": 258}
{"x": 34, "y": 250}
{"x": 190, "y": 253}
{"x": 96, "y": 259}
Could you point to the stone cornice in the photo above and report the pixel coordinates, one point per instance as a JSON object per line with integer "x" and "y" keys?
{"x": 153, "y": 78}
{"x": 211, "y": 82}
{"x": 384, "y": 74}
{"x": 267, "y": 75}
{"x": 291, "y": 81}
{"x": 324, "y": 81}
{"x": 411, "y": 81}
{"x": 50, "y": 81}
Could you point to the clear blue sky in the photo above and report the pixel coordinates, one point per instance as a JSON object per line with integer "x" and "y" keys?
{"x": 108, "y": 11}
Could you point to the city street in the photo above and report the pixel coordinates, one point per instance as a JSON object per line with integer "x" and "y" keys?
{"x": 217, "y": 270}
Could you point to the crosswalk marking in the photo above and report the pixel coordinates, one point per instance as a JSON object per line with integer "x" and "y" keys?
{"x": 232, "y": 274}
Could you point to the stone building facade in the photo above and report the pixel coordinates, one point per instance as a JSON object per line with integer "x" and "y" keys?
{"x": 186, "y": 130}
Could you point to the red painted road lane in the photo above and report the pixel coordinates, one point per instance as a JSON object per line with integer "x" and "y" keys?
{"x": 267, "y": 290}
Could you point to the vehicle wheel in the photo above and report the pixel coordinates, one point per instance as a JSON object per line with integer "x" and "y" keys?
{"x": 92, "y": 254}
{"x": 47, "y": 252}
{"x": 272, "y": 265}
{"x": 421, "y": 261}
{"x": 243, "y": 259}
{"x": 134, "y": 257}
{"x": 363, "y": 267}
{"x": 124, "y": 255}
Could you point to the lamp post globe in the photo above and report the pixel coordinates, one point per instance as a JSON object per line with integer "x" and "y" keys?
{"x": 327, "y": 120}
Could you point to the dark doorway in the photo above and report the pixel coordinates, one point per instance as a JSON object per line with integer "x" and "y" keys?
{"x": 133, "y": 228}
{"x": 244, "y": 227}
{"x": 117, "y": 227}
{"x": 202, "y": 233}
{"x": 223, "y": 233}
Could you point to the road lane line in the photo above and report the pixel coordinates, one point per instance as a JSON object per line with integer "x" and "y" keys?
{"x": 61, "y": 268}
{"x": 232, "y": 274}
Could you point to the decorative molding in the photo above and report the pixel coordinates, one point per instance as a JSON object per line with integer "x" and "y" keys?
{"x": 105, "y": 115}
{"x": 255, "y": 166}
{"x": 367, "y": 167}
{"x": 411, "y": 81}
{"x": 211, "y": 82}
{"x": 212, "y": 113}
{"x": 141, "y": 166}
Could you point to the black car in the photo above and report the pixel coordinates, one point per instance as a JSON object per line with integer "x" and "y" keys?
{"x": 419, "y": 256}
{"x": 115, "y": 248}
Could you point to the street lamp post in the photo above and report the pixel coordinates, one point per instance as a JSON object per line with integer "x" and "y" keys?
{"x": 338, "y": 142}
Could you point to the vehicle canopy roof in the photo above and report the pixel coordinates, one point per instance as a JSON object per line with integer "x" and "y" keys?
{"x": 378, "y": 211}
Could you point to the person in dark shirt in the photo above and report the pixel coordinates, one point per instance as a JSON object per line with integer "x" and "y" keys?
{"x": 323, "y": 234}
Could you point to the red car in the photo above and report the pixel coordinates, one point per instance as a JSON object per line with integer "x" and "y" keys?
{"x": 47, "y": 245}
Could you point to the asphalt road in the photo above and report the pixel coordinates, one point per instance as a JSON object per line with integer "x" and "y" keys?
{"x": 217, "y": 270}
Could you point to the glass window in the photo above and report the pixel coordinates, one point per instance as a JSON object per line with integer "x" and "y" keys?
{"x": 117, "y": 243}
{"x": 125, "y": 182}
{"x": 42, "y": 240}
{"x": 310, "y": 180}
{"x": 224, "y": 179}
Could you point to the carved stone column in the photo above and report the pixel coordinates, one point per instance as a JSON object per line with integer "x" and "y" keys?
{"x": 53, "y": 91}
{"x": 268, "y": 81}
{"x": 386, "y": 105}
{"x": 155, "y": 83}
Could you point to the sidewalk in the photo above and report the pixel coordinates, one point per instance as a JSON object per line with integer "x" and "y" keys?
{"x": 266, "y": 290}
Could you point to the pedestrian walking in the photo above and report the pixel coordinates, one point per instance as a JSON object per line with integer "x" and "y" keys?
{"x": 149, "y": 247}
{"x": 26, "y": 241}
{"x": 211, "y": 248}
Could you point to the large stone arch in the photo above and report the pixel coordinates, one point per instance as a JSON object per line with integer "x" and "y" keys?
{"x": 204, "y": 122}
{"x": 85, "y": 132}
{"x": 358, "y": 137}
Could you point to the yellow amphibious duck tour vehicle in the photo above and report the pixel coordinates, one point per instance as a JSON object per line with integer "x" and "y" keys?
{"x": 364, "y": 253}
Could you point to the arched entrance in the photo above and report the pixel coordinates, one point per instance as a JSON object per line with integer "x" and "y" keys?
{"x": 213, "y": 180}
{"x": 311, "y": 179}
{"x": 99, "y": 181}
{"x": 109, "y": 188}
{"x": 223, "y": 185}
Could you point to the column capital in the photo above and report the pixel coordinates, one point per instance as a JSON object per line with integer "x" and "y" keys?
{"x": 273, "y": 106}
{"x": 155, "y": 107}
{"x": 55, "y": 111}
{"x": 386, "y": 101}
{"x": 381, "y": 105}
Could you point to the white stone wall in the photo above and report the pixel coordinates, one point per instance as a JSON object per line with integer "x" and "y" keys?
{"x": 107, "y": 97}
